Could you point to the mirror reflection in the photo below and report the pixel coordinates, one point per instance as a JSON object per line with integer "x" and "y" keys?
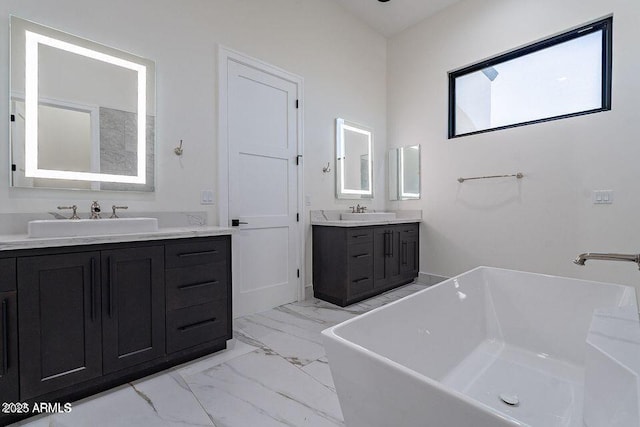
{"x": 82, "y": 113}
{"x": 404, "y": 173}
{"x": 354, "y": 161}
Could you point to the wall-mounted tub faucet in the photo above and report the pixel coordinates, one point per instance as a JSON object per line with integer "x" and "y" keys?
{"x": 582, "y": 258}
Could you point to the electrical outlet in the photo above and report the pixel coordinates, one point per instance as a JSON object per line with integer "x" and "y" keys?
{"x": 602, "y": 197}
{"x": 206, "y": 197}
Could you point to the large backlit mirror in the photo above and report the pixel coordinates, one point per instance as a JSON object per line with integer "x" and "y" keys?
{"x": 354, "y": 161}
{"x": 82, "y": 114}
{"x": 404, "y": 173}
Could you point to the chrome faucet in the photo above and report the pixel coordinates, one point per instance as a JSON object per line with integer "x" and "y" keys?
{"x": 74, "y": 208}
{"x": 114, "y": 208}
{"x": 95, "y": 210}
{"x": 582, "y": 258}
{"x": 358, "y": 209}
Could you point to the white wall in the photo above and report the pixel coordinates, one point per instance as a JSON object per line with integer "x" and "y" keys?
{"x": 343, "y": 63}
{"x": 543, "y": 221}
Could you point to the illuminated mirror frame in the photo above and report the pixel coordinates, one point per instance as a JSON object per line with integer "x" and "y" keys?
{"x": 349, "y": 193}
{"x": 31, "y": 109}
{"x": 396, "y": 173}
{"x": 404, "y": 195}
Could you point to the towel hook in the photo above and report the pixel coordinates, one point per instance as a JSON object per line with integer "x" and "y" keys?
{"x": 327, "y": 169}
{"x": 178, "y": 150}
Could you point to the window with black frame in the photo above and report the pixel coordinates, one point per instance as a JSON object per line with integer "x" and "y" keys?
{"x": 563, "y": 76}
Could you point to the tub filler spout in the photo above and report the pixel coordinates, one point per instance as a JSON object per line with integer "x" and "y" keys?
{"x": 582, "y": 258}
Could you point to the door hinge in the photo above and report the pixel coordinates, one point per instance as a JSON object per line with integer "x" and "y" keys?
{"x": 297, "y": 217}
{"x": 298, "y": 272}
{"x": 13, "y": 168}
{"x": 297, "y": 103}
{"x": 298, "y": 157}
{"x": 13, "y": 117}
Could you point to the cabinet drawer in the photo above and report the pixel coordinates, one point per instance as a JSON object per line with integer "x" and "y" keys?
{"x": 360, "y": 251}
{"x": 360, "y": 286}
{"x": 191, "y": 326}
{"x": 195, "y": 253}
{"x": 360, "y": 271}
{"x": 409, "y": 230}
{"x": 7, "y": 275}
{"x": 189, "y": 286}
{"x": 359, "y": 235}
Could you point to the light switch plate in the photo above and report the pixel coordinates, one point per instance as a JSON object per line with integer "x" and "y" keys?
{"x": 602, "y": 197}
{"x": 206, "y": 197}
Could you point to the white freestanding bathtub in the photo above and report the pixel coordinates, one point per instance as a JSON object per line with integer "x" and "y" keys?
{"x": 563, "y": 352}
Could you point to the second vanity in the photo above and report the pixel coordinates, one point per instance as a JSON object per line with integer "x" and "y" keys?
{"x": 80, "y": 315}
{"x": 354, "y": 260}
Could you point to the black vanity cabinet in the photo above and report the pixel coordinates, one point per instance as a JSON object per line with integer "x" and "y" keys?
{"x": 59, "y": 321}
{"x": 133, "y": 312}
{"x": 96, "y": 316}
{"x": 9, "y": 330}
{"x": 354, "y": 263}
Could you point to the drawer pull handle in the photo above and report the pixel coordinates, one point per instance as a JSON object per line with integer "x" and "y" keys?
{"x": 188, "y": 254}
{"x": 196, "y": 325}
{"x": 361, "y": 280}
{"x": 113, "y": 280}
{"x": 357, "y": 236}
{"x": 92, "y": 288}
{"x": 362, "y": 256}
{"x": 5, "y": 338}
{"x": 409, "y": 231}
{"x": 387, "y": 243}
{"x": 198, "y": 285}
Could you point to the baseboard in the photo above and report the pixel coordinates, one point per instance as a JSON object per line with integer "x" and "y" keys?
{"x": 423, "y": 278}
{"x": 428, "y": 279}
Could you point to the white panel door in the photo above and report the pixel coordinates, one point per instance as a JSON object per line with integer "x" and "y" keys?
{"x": 262, "y": 137}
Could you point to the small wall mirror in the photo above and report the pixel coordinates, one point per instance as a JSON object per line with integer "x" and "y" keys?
{"x": 354, "y": 161}
{"x": 404, "y": 173}
{"x": 82, "y": 114}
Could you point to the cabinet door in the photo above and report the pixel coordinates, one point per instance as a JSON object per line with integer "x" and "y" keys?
{"x": 409, "y": 250}
{"x": 395, "y": 257}
{"x": 8, "y": 347}
{"x": 386, "y": 256}
{"x": 381, "y": 250}
{"x": 8, "y": 332}
{"x": 59, "y": 321}
{"x": 132, "y": 306}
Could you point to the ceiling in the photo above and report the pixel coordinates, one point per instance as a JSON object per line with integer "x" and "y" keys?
{"x": 395, "y": 15}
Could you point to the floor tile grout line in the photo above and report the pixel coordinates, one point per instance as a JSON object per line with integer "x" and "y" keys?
{"x": 195, "y": 396}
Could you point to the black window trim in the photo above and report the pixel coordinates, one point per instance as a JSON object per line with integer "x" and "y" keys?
{"x": 605, "y": 25}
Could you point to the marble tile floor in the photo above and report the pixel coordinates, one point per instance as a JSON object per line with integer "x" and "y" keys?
{"x": 273, "y": 373}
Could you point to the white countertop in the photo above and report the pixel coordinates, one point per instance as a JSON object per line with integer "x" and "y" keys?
{"x": 22, "y": 241}
{"x": 331, "y": 218}
{"x": 349, "y": 223}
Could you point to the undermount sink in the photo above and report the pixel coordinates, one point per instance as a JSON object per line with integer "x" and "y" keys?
{"x": 369, "y": 216}
{"x": 90, "y": 227}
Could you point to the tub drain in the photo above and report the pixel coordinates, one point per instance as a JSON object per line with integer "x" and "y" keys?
{"x": 510, "y": 399}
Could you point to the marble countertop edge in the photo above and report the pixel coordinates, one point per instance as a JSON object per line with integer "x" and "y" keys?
{"x": 354, "y": 223}
{"x": 22, "y": 241}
